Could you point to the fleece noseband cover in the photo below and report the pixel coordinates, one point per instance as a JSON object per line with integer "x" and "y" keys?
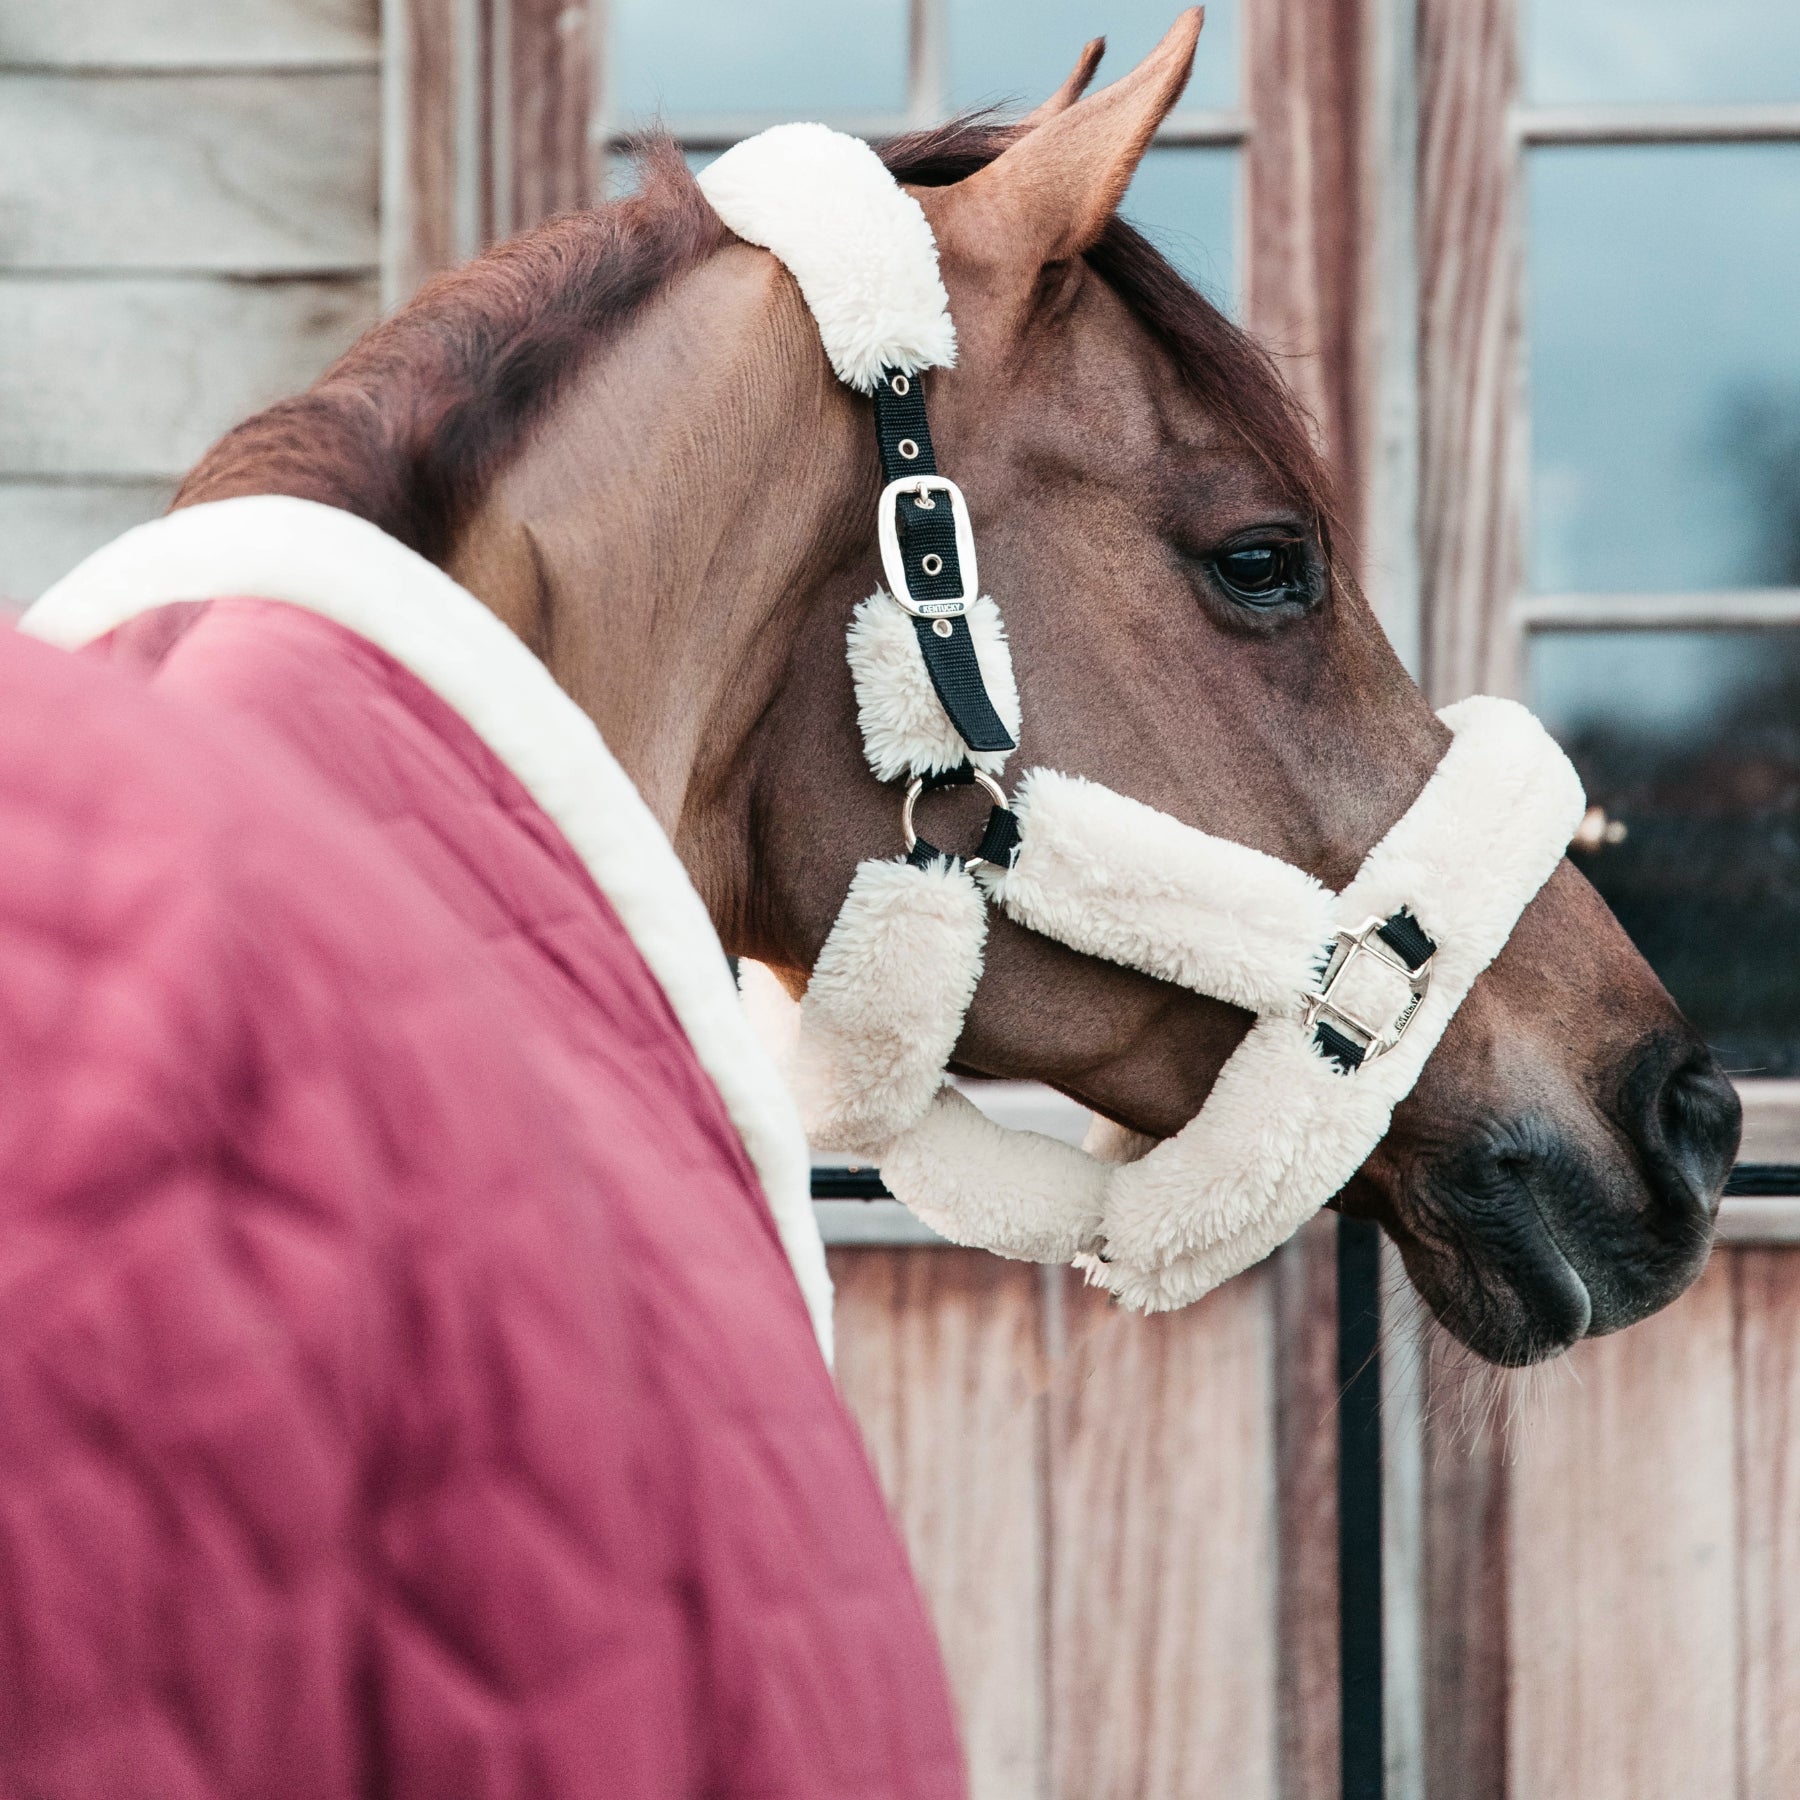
{"x": 1351, "y": 991}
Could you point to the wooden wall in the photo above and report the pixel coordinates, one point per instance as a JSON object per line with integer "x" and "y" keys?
{"x": 1613, "y": 1565}
{"x": 188, "y": 230}
{"x": 1118, "y": 1523}
{"x": 1109, "y": 1517}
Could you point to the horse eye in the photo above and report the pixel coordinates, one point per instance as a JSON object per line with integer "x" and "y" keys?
{"x": 1260, "y": 573}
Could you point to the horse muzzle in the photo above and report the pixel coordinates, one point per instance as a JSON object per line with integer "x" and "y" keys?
{"x": 1528, "y": 1235}
{"x": 1352, "y": 992}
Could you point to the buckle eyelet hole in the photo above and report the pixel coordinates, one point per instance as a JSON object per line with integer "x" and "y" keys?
{"x": 933, "y": 564}
{"x": 908, "y": 449}
{"x": 899, "y": 384}
{"x": 943, "y": 627}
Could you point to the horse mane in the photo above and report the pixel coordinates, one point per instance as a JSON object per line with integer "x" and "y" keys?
{"x": 410, "y": 424}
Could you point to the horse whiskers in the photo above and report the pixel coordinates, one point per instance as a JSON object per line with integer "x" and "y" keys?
{"x": 1470, "y": 1403}
{"x": 1467, "y": 1406}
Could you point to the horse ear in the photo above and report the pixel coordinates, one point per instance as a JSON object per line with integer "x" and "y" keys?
{"x": 1072, "y": 89}
{"x": 1048, "y": 197}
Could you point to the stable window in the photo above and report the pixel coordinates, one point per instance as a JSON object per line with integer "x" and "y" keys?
{"x": 1659, "y": 608}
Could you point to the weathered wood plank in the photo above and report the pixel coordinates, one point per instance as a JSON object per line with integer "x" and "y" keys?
{"x": 1753, "y": 1220}
{"x": 939, "y": 1359}
{"x": 1771, "y": 1119}
{"x": 487, "y": 127}
{"x": 136, "y": 378}
{"x": 1386, "y": 336}
{"x": 550, "y": 84}
{"x": 46, "y": 528}
{"x": 1303, "y": 1277}
{"x": 1303, "y": 69}
{"x": 1623, "y": 1585}
{"x": 1467, "y": 1532}
{"x": 437, "y": 182}
{"x": 1163, "y": 1590}
{"x": 188, "y": 33}
{"x": 1469, "y": 347}
{"x": 1768, "y": 1369}
{"x": 245, "y": 173}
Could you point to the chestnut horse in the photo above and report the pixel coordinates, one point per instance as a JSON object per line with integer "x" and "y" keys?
{"x": 621, "y": 432}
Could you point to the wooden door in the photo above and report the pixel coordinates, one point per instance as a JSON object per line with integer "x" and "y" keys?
{"x": 1606, "y": 1589}
{"x": 1112, "y": 1516}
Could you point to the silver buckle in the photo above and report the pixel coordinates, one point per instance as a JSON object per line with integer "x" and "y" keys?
{"x": 887, "y": 532}
{"x": 1372, "y": 1039}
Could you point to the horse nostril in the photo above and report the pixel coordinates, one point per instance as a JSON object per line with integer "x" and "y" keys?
{"x": 1686, "y": 1127}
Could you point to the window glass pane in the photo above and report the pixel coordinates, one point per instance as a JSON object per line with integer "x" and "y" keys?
{"x": 1015, "y": 52}
{"x": 785, "y": 58}
{"x": 1665, "y": 366}
{"x": 1691, "y": 740}
{"x": 1661, "y": 50}
{"x": 1184, "y": 200}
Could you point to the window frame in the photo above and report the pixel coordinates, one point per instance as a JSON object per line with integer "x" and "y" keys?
{"x": 1532, "y": 127}
{"x": 927, "y": 104}
{"x": 1771, "y": 1105}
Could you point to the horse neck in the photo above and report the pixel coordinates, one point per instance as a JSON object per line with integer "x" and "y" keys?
{"x": 661, "y": 530}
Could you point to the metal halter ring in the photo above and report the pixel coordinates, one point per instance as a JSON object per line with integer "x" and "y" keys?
{"x": 914, "y": 788}
{"x": 1373, "y": 1037}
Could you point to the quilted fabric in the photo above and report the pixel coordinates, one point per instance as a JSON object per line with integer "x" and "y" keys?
{"x": 402, "y": 1389}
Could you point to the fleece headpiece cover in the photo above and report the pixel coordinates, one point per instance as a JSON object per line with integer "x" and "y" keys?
{"x": 1351, "y": 991}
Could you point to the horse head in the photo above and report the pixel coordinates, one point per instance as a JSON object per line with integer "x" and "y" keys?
{"x": 621, "y": 432}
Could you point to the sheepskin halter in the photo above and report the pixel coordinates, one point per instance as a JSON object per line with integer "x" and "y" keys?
{"x": 1351, "y": 991}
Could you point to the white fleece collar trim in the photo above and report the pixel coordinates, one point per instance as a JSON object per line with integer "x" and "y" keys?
{"x": 347, "y": 570}
{"x": 856, "y": 242}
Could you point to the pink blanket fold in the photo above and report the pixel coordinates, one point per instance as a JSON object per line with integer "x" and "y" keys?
{"x": 402, "y": 1388}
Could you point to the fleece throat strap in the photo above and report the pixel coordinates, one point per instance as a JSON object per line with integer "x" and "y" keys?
{"x": 1351, "y": 991}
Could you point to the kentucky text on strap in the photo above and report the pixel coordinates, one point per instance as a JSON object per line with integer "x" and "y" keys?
{"x": 1352, "y": 991}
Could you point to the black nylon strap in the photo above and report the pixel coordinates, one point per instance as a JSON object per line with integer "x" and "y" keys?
{"x": 927, "y": 527}
{"x": 1347, "y": 1054}
{"x": 1405, "y": 936}
{"x": 1000, "y": 842}
{"x": 955, "y": 673}
{"x": 900, "y": 416}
